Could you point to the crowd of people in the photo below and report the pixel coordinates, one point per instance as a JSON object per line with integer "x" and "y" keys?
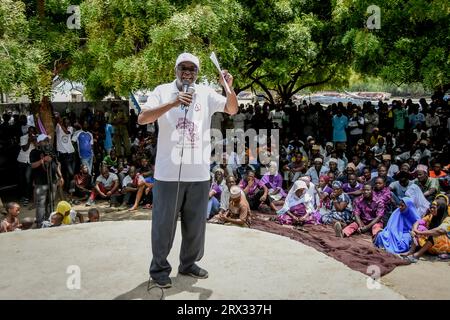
{"x": 378, "y": 169}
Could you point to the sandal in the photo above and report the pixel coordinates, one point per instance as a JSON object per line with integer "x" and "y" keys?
{"x": 411, "y": 259}
{"x": 444, "y": 256}
{"x": 300, "y": 228}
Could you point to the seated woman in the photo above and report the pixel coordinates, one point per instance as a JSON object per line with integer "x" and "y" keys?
{"x": 396, "y": 236}
{"x": 339, "y": 208}
{"x": 238, "y": 212}
{"x": 324, "y": 190}
{"x": 215, "y": 193}
{"x": 431, "y": 233}
{"x": 298, "y": 207}
{"x": 419, "y": 200}
{"x": 311, "y": 190}
{"x": 274, "y": 182}
{"x": 255, "y": 191}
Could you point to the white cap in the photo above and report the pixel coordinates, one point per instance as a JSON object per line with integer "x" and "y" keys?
{"x": 42, "y": 137}
{"x": 235, "y": 192}
{"x": 187, "y": 57}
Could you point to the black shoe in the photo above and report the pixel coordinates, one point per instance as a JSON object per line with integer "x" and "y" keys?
{"x": 163, "y": 283}
{"x": 196, "y": 272}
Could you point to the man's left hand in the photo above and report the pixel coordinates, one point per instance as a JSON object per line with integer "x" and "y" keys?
{"x": 228, "y": 78}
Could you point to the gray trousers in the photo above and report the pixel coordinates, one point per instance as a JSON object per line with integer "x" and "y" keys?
{"x": 192, "y": 204}
{"x": 42, "y": 200}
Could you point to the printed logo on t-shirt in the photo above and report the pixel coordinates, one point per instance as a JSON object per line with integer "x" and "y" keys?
{"x": 197, "y": 107}
{"x": 190, "y": 130}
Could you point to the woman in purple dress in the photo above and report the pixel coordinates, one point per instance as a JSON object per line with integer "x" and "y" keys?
{"x": 255, "y": 191}
{"x": 274, "y": 181}
{"x": 298, "y": 207}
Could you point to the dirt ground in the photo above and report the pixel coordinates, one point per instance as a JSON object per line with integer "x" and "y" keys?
{"x": 427, "y": 279}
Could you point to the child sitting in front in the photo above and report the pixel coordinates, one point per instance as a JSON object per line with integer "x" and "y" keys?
{"x": 93, "y": 215}
{"x": 11, "y": 222}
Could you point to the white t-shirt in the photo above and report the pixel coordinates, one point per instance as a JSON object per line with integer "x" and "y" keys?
{"x": 107, "y": 183}
{"x": 277, "y": 117}
{"x": 63, "y": 140}
{"x": 216, "y": 121}
{"x": 24, "y": 156}
{"x": 128, "y": 180}
{"x": 238, "y": 120}
{"x": 197, "y": 147}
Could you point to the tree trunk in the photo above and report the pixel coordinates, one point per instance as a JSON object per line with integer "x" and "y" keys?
{"x": 44, "y": 111}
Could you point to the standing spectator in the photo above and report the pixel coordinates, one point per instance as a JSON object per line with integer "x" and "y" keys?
{"x": 239, "y": 119}
{"x": 339, "y": 123}
{"x": 432, "y": 122}
{"x": 46, "y": 176}
{"x": 216, "y": 121}
{"x": 277, "y": 116}
{"x": 356, "y": 126}
{"x": 120, "y": 121}
{"x": 27, "y": 143}
{"x": 400, "y": 116}
{"x": 371, "y": 121}
{"x": 66, "y": 151}
{"x": 416, "y": 117}
{"x": 109, "y": 132}
{"x": 85, "y": 141}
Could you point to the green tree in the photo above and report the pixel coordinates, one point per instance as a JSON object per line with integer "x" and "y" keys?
{"x": 282, "y": 46}
{"x": 37, "y": 50}
{"x": 411, "y": 45}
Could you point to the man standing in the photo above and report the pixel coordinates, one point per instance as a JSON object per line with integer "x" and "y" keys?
{"x": 85, "y": 141}
{"x": 182, "y": 128}
{"x": 45, "y": 172}
{"x": 66, "y": 151}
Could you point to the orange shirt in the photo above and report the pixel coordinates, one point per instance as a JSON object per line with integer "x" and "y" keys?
{"x": 434, "y": 175}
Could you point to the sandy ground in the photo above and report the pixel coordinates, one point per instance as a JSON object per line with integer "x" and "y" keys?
{"x": 427, "y": 279}
{"x": 112, "y": 260}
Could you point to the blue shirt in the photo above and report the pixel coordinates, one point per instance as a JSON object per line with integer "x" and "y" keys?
{"x": 109, "y": 130}
{"x": 339, "y": 125}
{"x": 85, "y": 141}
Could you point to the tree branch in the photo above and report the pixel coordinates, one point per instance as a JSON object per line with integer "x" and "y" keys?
{"x": 311, "y": 84}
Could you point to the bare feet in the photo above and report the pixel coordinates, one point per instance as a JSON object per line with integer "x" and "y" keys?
{"x": 133, "y": 208}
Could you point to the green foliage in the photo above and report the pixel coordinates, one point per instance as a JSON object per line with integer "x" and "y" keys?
{"x": 411, "y": 46}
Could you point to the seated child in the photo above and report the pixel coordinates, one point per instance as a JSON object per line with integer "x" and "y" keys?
{"x": 11, "y": 222}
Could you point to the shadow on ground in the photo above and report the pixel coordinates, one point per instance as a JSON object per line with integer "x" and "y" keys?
{"x": 147, "y": 291}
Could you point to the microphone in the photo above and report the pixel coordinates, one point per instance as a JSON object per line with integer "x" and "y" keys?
{"x": 188, "y": 88}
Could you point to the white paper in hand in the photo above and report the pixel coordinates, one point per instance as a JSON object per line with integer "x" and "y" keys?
{"x": 216, "y": 63}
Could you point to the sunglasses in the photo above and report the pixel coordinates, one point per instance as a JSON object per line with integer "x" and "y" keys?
{"x": 185, "y": 69}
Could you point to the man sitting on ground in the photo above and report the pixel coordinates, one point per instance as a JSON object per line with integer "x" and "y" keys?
{"x": 106, "y": 186}
{"x": 368, "y": 215}
{"x": 81, "y": 185}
